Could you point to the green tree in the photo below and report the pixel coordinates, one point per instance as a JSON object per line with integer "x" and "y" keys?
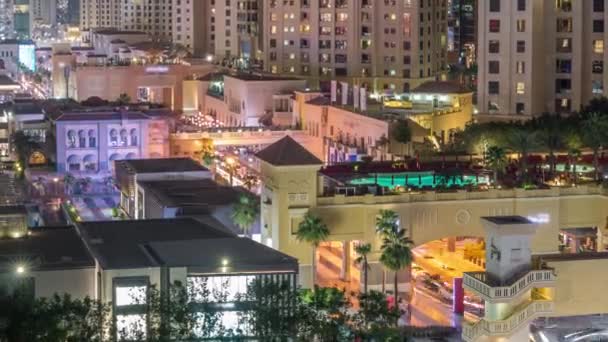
{"x": 271, "y": 313}
{"x": 245, "y": 211}
{"x": 123, "y": 99}
{"x": 312, "y": 230}
{"x": 595, "y": 136}
{"x": 323, "y": 315}
{"x": 522, "y": 140}
{"x": 396, "y": 254}
{"x": 496, "y": 159}
{"x": 402, "y": 133}
{"x": 363, "y": 250}
{"x": 374, "y": 316}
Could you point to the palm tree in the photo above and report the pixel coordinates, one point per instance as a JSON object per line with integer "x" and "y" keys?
{"x": 363, "y": 249}
{"x": 250, "y": 181}
{"x": 522, "y": 140}
{"x": 396, "y": 254}
{"x": 313, "y": 231}
{"x": 179, "y": 52}
{"x": 245, "y": 211}
{"x": 551, "y": 136}
{"x": 595, "y": 137}
{"x": 387, "y": 222}
{"x": 496, "y": 160}
{"x": 574, "y": 144}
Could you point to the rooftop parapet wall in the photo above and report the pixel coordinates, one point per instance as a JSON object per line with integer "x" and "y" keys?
{"x": 462, "y": 195}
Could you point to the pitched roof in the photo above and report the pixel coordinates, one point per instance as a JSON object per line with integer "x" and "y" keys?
{"x": 288, "y": 152}
{"x": 441, "y": 87}
{"x": 48, "y": 248}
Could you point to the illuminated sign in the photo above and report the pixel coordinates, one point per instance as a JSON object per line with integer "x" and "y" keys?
{"x": 157, "y": 69}
{"x": 27, "y": 56}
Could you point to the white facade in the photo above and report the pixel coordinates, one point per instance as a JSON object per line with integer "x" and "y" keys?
{"x": 247, "y": 100}
{"x": 540, "y": 56}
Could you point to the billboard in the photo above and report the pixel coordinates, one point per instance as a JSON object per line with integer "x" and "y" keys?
{"x": 27, "y": 56}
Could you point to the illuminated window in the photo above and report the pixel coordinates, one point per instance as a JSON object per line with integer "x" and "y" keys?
{"x": 520, "y": 88}
{"x": 130, "y": 295}
{"x": 598, "y": 46}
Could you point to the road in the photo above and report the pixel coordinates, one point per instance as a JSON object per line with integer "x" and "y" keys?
{"x": 437, "y": 257}
{"x": 428, "y": 310}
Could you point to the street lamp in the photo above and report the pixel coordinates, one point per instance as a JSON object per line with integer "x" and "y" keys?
{"x": 20, "y": 269}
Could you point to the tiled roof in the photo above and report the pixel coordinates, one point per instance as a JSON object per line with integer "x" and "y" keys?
{"x": 287, "y": 152}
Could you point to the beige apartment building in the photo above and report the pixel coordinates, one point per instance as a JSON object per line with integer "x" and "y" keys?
{"x": 540, "y": 56}
{"x": 221, "y": 28}
{"x": 155, "y": 18}
{"x": 382, "y": 44}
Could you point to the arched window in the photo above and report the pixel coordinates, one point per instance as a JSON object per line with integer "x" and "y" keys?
{"x": 82, "y": 139}
{"x": 113, "y": 137}
{"x": 131, "y": 156}
{"x": 92, "y": 139}
{"x": 133, "y": 134}
{"x": 90, "y": 163}
{"x": 73, "y": 163}
{"x": 71, "y": 139}
{"x": 124, "y": 137}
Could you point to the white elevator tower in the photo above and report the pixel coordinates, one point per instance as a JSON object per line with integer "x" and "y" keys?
{"x": 514, "y": 289}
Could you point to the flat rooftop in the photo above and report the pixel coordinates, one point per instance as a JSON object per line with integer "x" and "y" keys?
{"x": 12, "y": 210}
{"x": 377, "y": 111}
{"x": 507, "y": 219}
{"x": 47, "y": 248}
{"x": 261, "y": 77}
{"x": 158, "y": 165}
{"x": 7, "y": 81}
{"x": 102, "y": 116}
{"x": 191, "y": 193}
{"x": 181, "y": 242}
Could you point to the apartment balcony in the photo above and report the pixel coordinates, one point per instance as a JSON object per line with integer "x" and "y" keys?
{"x": 487, "y": 288}
{"x": 505, "y": 328}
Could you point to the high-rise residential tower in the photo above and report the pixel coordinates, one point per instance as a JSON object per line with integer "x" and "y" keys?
{"x": 382, "y": 44}
{"x": 540, "y": 56}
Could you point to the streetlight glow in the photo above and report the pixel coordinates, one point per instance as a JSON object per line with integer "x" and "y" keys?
{"x": 20, "y": 269}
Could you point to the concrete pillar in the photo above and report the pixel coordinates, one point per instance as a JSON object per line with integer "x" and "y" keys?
{"x": 345, "y": 269}
{"x": 451, "y": 244}
{"x": 458, "y": 296}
